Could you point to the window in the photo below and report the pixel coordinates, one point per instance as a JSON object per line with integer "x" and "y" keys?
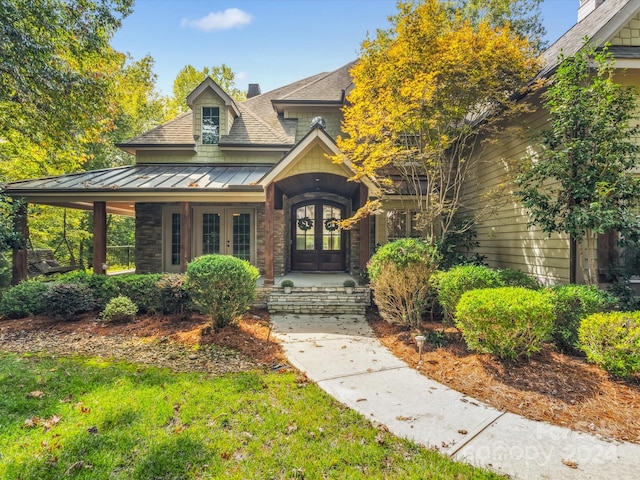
{"x": 210, "y": 125}
{"x": 401, "y": 224}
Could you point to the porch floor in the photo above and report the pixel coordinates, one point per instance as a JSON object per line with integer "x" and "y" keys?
{"x": 332, "y": 279}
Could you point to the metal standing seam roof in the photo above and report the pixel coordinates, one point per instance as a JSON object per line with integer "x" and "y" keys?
{"x": 139, "y": 178}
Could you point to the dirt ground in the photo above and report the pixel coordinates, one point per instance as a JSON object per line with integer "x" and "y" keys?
{"x": 551, "y": 387}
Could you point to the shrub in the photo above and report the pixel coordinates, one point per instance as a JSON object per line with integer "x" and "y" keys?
{"x": 512, "y": 277}
{"x": 119, "y": 309}
{"x": 173, "y": 297}
{"x": 612, "y": 341}
{"x": 508, "y": 322}
{"x": 462, "y": 279}
{"x": 349, "y": 283}
{"x": 286, "y": 283}
{"x": 65, "y": 300}
{"x": 221, "y": 286}
{"x": 400, "y": 273}
{"x": 572, "y": 303}
{"x": 432, "y": 295}
{"x": 103, "y": 287}
{"x": 23, "y": 299}
{"x": 140, "y": 288}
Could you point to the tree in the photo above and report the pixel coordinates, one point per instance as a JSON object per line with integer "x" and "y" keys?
{"x": 55, "y": 64}
{"x": 580, "y": 182}
{"x": 523, "y": 16}
{"x": 188, "y": 78}
{"x": 423, "y": 93}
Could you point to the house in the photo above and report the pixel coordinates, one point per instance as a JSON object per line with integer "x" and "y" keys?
{"x": 254, "y": 179}
{"x": 251, "y": 179}
{"x": 504, "y": 237}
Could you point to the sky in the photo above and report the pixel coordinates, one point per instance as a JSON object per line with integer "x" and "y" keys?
{"x": 269, "y": 42}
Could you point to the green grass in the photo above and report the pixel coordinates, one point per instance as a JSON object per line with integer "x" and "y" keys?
{"x": 94, "y": 419}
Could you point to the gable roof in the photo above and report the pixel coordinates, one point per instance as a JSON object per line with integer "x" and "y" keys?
{"x": 258, "y": 123}
{"x": 209, "y": 83}
{"x": 600, "y": 26}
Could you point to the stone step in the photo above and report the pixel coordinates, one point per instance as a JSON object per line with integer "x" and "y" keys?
{"x": 319, "y": 300}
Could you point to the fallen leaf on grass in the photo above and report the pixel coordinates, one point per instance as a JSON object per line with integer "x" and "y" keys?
{"x": 35, "y": 394}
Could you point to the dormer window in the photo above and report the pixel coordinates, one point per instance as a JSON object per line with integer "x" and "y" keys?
{"x": 210, "y": 125}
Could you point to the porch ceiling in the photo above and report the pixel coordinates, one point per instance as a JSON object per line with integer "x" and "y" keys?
{"x": 318, "y": 182}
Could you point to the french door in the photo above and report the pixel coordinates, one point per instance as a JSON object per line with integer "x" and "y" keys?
{"x": 225, "y": 231}
{"x": 318, "y": 244}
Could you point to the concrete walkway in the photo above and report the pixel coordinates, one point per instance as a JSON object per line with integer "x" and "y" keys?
{"x": 342, "y": 355}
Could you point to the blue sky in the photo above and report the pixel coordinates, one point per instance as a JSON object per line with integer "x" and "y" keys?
{"x": 270, "y": 42}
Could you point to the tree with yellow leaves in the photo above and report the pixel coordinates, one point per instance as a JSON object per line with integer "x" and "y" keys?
{"x": 425, "y": 92}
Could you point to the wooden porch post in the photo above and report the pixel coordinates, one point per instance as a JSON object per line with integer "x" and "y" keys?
{"x": 99, "y": 237}
{"x": 185, "y": 235}
{"x": 268, "y": 236}
{"x": 19, "y": 257}
{"x": 365, "y": 247}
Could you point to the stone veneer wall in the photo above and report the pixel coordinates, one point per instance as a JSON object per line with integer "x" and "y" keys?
{"x": 148, "y": 237}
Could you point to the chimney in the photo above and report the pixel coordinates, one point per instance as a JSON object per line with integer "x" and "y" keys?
{"x": 253, "y": 90}
{"x": 586, "y": 7}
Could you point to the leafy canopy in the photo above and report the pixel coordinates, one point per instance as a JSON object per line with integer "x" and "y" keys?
{"x": 423, "y": 91}
{"x": 580, "y": 181}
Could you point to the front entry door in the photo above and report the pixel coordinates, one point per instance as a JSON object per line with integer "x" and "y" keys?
{"x": 318, "y": 243}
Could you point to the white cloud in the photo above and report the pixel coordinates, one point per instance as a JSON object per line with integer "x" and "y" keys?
{"x": 241, "y": 76}
{"x": 230, "y": 18}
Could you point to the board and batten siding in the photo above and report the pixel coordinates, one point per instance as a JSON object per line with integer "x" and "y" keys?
{"x": 504, "y": 237}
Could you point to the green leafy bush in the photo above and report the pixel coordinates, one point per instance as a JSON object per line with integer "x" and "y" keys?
{"x": 24, "y": 299}
{"x": 572, "y": 303}
{"x": 65, "y": 300}
{"x": 119, "y": 309}
{"x": 461, "y": 279}
{"x": 142, "y": 289}
{"x": 173, "y": 297}
{"x": 222, "y": 286}
{"x": 400, "y": 273}
{"x": 508, "y": 322}
{"x": 512, "y": 277}
{"x": 612, "y": 341}
{"x": 103, "y": 287}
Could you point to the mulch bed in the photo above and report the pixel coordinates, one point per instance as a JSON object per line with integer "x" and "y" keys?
{"x": 550, "y": 387}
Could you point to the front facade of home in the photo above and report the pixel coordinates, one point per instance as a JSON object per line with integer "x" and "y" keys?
{"x": 255, "y": 178}
{"x": 252, "y": 179}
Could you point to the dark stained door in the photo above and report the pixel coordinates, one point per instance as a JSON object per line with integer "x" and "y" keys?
{"x": 318, "y": 244}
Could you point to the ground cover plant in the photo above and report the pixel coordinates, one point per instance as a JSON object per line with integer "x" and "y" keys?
{"x": 91, "y": 418}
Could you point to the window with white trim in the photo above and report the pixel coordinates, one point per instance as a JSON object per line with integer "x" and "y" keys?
{"x": 210, "y": 125}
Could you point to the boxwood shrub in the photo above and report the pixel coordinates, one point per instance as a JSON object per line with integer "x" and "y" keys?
{"x": 221, "y": 286}
{"x": 119, "y": 309}
{"x": 24, "y": 299}
{"x": 512, "y": 277}
{"x": 612, "y": 341}
{"x": 141, "y": 289}
{"x": 572, "y": 303}
{"x": 509, "y": 322}
{"x": 66, "y": 300}
{"x": 173, "y": 297}
{"x": 400, "y": 273}
{"x": 461, "y": 279}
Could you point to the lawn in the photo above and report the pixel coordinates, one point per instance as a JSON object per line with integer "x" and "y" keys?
{"x": 77, "y": 417}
